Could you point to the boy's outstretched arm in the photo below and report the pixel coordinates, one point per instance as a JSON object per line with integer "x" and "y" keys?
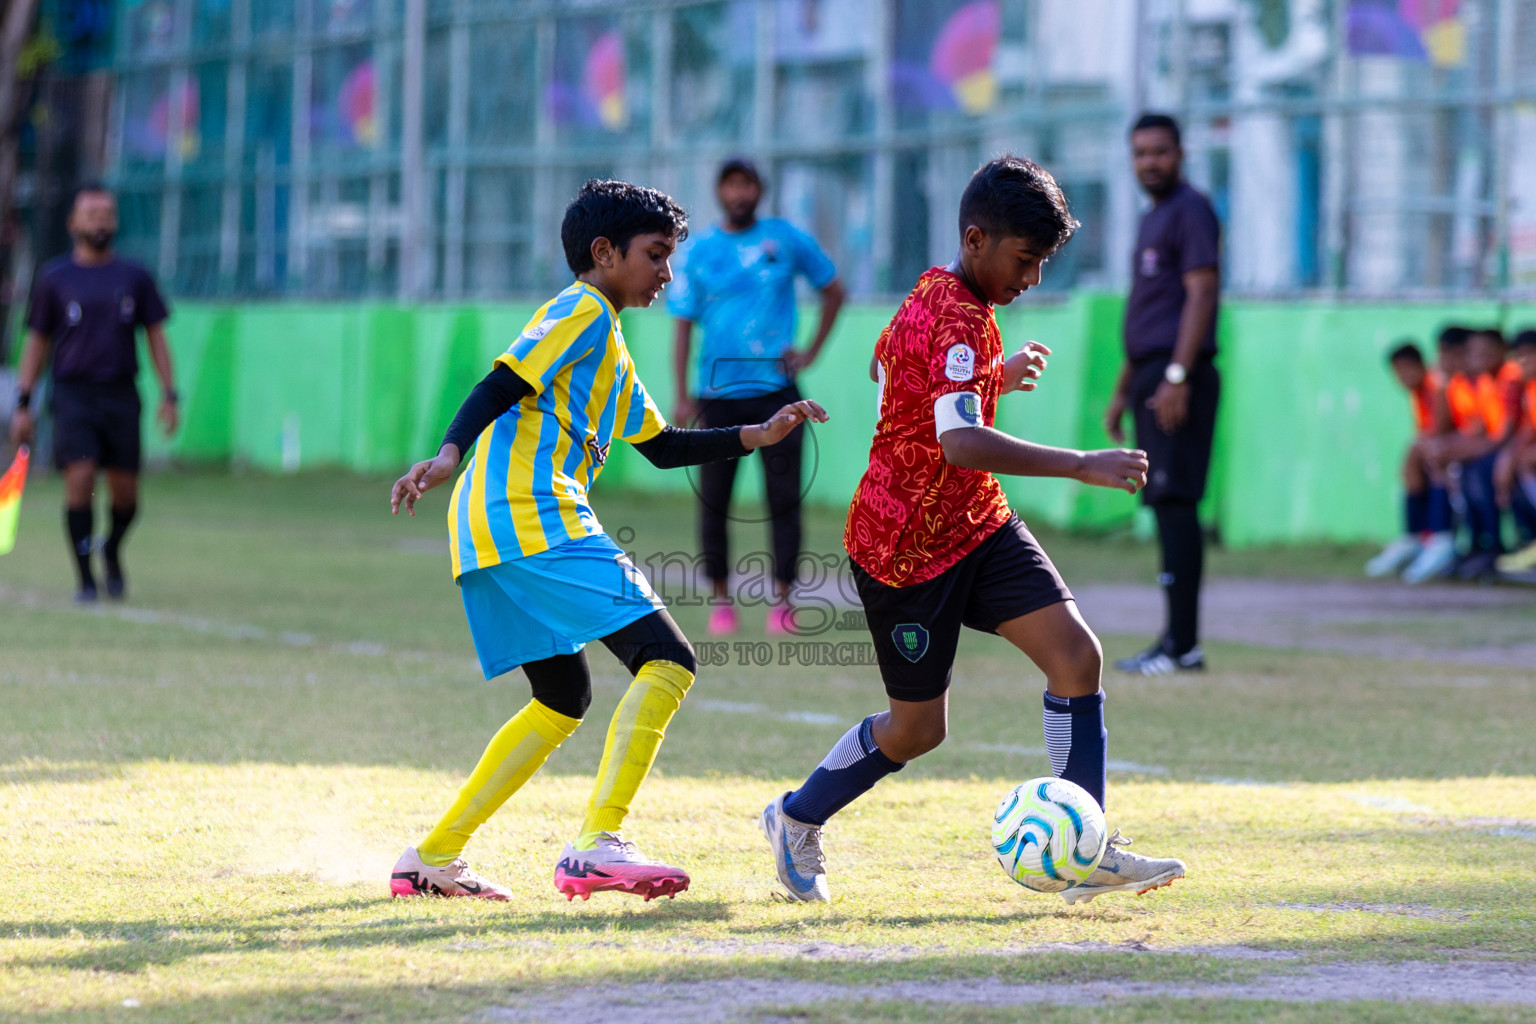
{"x": 674, "y": 447}
{"x": 499, "y": 391}
{"x": 992, "y": 450}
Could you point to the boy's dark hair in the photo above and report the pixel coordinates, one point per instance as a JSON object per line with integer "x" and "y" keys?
{"x": 1149, "y": 119}
{"x": 617, "y": 211}
{"x": 1406, "y": 352}
{"x": 1525, "y": 339}
{"x": 1013, "y": 196}
{"x": 1493, "y": 334}
{"x": 1453, "y": 337}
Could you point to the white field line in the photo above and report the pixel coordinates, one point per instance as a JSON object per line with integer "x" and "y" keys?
{"x": 209, "y": 627}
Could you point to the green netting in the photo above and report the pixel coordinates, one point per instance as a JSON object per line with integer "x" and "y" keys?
{"x": 1312, "y": 424}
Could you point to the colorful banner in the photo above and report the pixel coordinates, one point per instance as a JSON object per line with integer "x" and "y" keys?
{"x": 1418, "y": 30}
{"x": 947, "y": 63}
{"x": 11, "y": 485}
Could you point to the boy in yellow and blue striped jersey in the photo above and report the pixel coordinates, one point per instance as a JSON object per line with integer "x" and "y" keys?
{"x": 538, "y": 576}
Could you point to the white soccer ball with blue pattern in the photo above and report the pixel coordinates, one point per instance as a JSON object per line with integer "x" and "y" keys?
{"x": 1048, "y": 834}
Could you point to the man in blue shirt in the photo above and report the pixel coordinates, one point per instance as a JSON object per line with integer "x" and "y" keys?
{"x": 739, "y": 285}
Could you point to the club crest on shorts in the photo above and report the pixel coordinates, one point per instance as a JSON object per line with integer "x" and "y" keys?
{"x": 911, "y": 640}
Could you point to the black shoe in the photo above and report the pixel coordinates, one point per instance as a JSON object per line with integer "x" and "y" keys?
{"x": 117, "y": 587}
{"x": 85, "y": 595}
{"x": 1157, "y": 661}
{"x": 1476, "y": 565}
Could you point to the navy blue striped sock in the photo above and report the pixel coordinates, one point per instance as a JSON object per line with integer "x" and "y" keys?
{"x": 850, "y": 769}
{"x": 1077, "y": 742}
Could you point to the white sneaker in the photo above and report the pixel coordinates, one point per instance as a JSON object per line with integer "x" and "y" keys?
{"x": 615, "y": 866}
{"x": 1436, "y": 559}
{"x": 1394, "y": 558}
{"x": 411, "y": 877}
{"x": 796, "y": 854}
{"x": 1122, "y": 871}
{"x": 1155, "y": 661}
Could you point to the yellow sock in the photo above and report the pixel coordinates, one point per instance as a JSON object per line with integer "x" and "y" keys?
{"x": 633, "y": 737}
{"x": 510, "y": 760}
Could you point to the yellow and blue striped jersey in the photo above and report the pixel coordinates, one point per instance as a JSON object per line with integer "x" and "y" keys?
{"x": 525, "y": 490}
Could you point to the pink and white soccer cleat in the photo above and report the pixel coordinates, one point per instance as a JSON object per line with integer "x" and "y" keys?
{"x": 615, "y": 866}
{"x": 411, "y": 877}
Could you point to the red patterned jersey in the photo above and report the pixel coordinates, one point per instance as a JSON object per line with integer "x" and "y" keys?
{"x": 915, "y": 515}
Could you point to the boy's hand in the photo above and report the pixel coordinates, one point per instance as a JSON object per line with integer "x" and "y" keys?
{"x": 1123, "y": 469}
{"x": 421, "y": 478}
{"x": 782, "y": 422}
{"x": 1024, "y": 367}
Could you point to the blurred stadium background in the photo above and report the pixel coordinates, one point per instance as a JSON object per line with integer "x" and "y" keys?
{"x": 351, "y": 201}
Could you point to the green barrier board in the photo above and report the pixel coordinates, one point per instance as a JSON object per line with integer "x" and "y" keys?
{"x": 1311, "y": 434}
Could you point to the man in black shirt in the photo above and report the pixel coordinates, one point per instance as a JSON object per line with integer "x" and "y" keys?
{"x": 86, "y": 309}
{"x": 1168, "y": 382}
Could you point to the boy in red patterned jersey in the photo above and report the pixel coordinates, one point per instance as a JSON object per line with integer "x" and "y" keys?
{"x": 934, "y": 546}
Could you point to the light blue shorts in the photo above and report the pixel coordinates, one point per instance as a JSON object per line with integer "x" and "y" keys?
{"x": 555, "y": 602}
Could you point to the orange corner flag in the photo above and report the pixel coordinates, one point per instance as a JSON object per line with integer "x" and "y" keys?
{"x": 11, "y": 485}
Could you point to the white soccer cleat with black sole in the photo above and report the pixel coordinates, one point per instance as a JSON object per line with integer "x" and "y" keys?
{"x": 1123, "y": 871}
{"x": 414, "y": 877}
{"x": 796, "y": 854}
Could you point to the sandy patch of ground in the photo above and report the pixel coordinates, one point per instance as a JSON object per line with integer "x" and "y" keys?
{"x": 1470, "y": 625}
{"x": 720, "y": 1002}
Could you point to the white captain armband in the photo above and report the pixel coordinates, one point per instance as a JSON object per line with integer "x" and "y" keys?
{"x": 956, "y": 409}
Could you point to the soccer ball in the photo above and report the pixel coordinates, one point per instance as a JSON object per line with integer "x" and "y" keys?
{"x": 1048, "y": 834}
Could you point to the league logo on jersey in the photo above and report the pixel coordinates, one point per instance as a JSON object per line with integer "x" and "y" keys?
{"x": 911, "y": 640}
{"x": 72, "y": 313}
{"x": 960, "y": 362}
{"x": 126, "y": 309}
{"x": 1149, "y": 262}
{"x": 539, "y": 330}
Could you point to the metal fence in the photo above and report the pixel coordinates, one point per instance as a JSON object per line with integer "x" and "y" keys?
{"x": 426, "y": 148}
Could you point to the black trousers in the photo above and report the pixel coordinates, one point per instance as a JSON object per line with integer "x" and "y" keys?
{"x": 1178, "y": 466}
{"x": 781, "y": 484}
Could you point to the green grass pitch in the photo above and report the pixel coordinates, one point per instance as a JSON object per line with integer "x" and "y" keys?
{"x": 203, "y": 791}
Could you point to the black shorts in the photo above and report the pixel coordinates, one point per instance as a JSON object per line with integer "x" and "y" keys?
{"x": 96, "y": 422}
{"x": 1178, "y": 463}
{"x": 917, "y": 629}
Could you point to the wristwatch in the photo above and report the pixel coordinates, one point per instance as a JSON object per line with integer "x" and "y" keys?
{"x": 1175, "y": 374}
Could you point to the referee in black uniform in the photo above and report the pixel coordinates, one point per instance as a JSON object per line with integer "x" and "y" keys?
{"x": 86, "y": 309}
{"x": 1169, "y": 382}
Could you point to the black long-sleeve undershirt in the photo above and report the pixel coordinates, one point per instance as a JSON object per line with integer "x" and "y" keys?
{"x": 502, "y": 389}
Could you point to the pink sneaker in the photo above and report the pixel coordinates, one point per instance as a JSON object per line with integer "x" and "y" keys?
{"x": 722, "y": 621}
{"x": 615, "y": 866}
{"x": 781, "y": 620}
